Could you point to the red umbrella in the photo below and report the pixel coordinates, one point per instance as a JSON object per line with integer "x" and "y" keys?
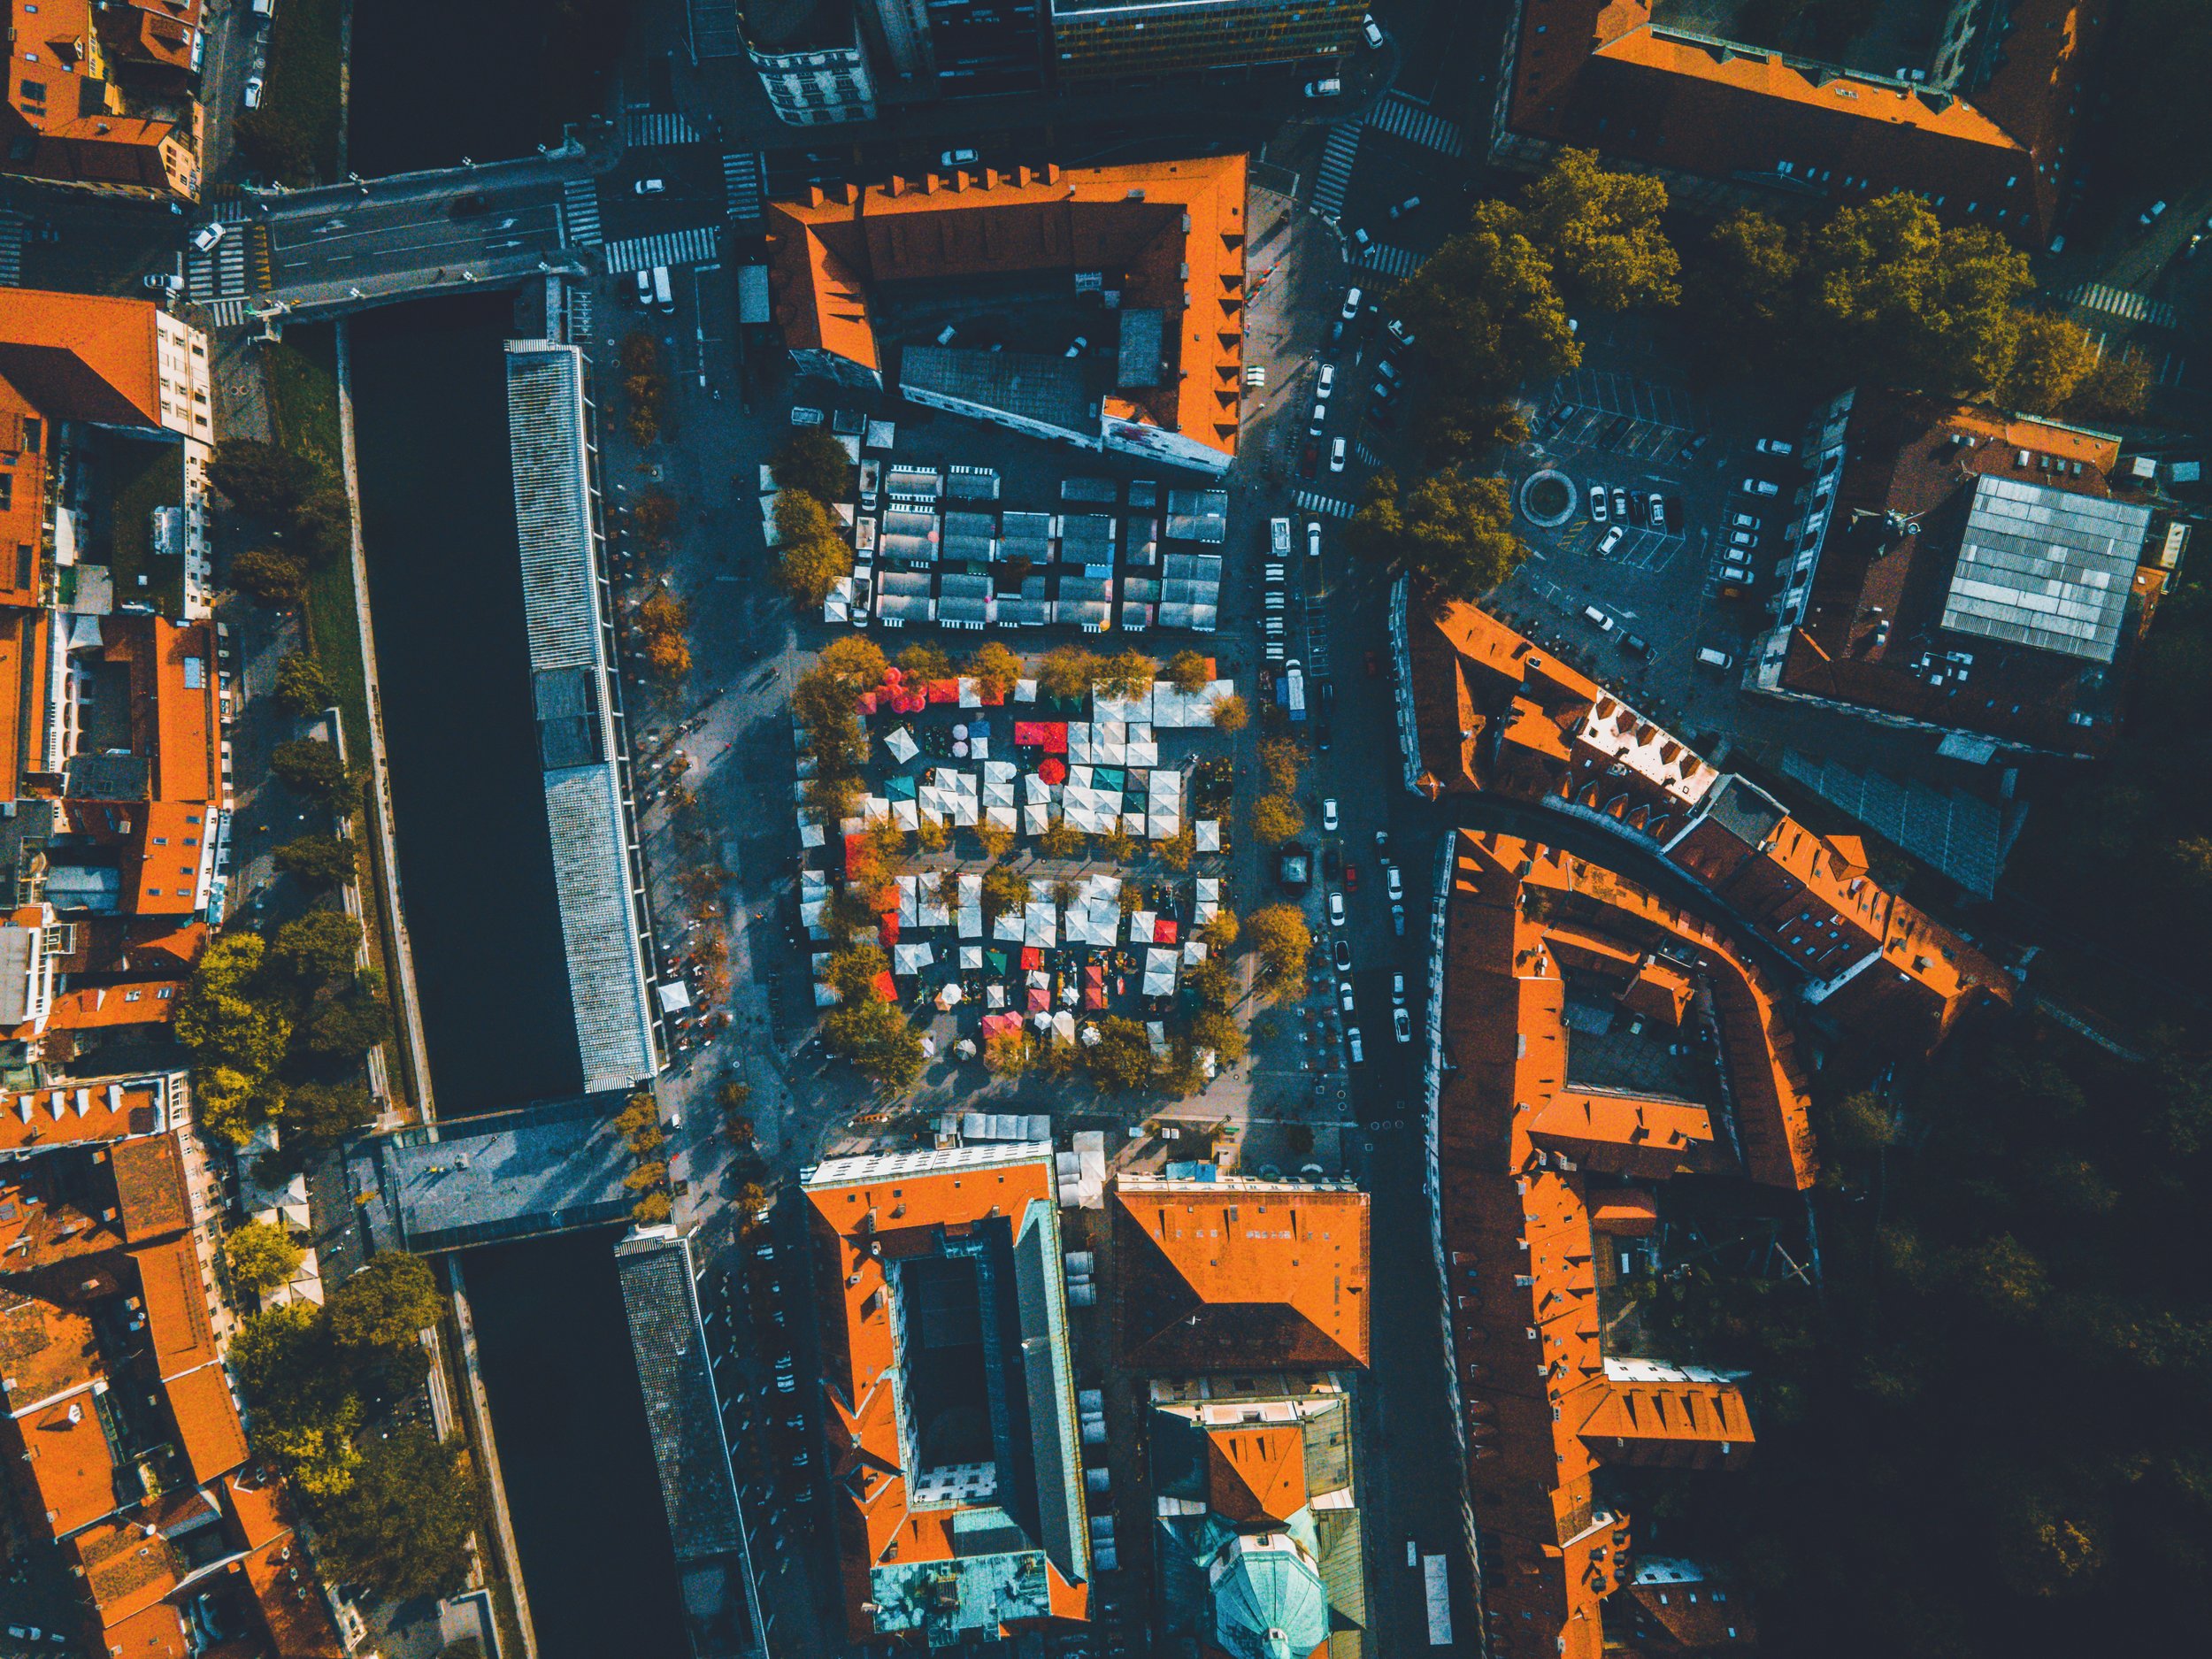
{"x": 1052, "y": 770}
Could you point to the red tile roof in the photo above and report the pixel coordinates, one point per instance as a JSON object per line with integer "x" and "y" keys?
{"x": 62, "y": 1451}
{"x": 208, "y": 1431}
{"x": 291, "y": 1602}
{"x": 149, "y": 1189}
{"x": 175, "y": 1296}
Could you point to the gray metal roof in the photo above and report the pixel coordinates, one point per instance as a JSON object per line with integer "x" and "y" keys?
{"x": 1140, "y": 354}
{"x": 681, "y": 1411}
{"x": 607, "y": 986}
{"x": 2046, "y": 567}
{"x": 1048, "y": 390}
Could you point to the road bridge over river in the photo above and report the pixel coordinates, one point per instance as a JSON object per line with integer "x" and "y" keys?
{"x": 546, "y": 1168}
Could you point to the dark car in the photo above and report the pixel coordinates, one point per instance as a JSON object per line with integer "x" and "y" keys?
{"x": 1351, "y": 877}
{"x": 1637, "y": 512}
{"x": 1635, "y": 645}
{"x": 1309, "y": 460}
{"x": 1374, "y": 665}
{"x": 469, "y": 203}
{"x": 1618, "y": 430}
{"x": 1332, "y": 862}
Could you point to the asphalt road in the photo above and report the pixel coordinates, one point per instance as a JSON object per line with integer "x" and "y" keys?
{"x": 318, "y": 243}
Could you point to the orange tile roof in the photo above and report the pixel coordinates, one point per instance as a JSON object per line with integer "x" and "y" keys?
{"x": 1230, "y": 1275}
{"x": 93, "y": 1109}
{"x": 88, "y": 356}
{"x": 97, "y": 1007}
{"x": 46, "y": 1350}
{"x": 23, "y": 514}
{"x": 149, "y": 1189}
{"x": 260, "y": 1504}
{"x": 291, "y": 1602}
{"x": 66, "y": 1460}
{"x": 156, "y": 1634}
{"x": 1174, "y": 228}
{"x": 126, "y": 1566}
{"x": 175, "y": 1295}
{"x": 1256, "y": 1475}
{"x": 208, "y": 1430}
{"x": 1626, "y": 1135}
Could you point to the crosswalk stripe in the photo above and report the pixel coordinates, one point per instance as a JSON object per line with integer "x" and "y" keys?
{"x": 645, "y": 129}
{"x": 1401, "y": 118}
{"x": 680, "y": 246}
{"x": 1328, "y": 506}
{"x": 579, "y": 214}
{"x": 227, "y": 314}
{"x": 1335, "y": 171}
{"x": 740, "y": 183}
{"x": 2135, "y": 308}
{"x": 1387, "y": 261}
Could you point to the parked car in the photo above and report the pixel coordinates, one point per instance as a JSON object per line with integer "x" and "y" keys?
{"x": 1711, "y": 656}
{"x": 1320, "y": 419}
{"x": 1620, "y": 502}
{"x": 1336, "y": 455}
{"x": 1398, "y": 332}
{"x": 1373, "y": 31}
{"x": 1325, "y": 382}
{"x": 1744, "y": 521}
{"x": 1613, "y": 538}
{"x": 1374, "y": 665}
{"x": 1351, "y": 877}
{"x": 1761, "y": 487}
{"x": 1658, "y": 511}
{"x": 1326, "y": 89}
{"x": 1598, "y": 509}
{"x": 1360, "y": 238}
{"x": 1636, "y": 645}
{"x": 1328, "y": 815}
{"x": 1394, "y": 881}
{"x": 1398, "y": 920}
{"x": 1313, "y": 538}
{"x": 1401, "y": 209}
{"x": 1397, "y": 990}
{"x": 2150, "y": 215}
{"x": 1354, "y": 1045}
{"x": 1638, "y": 513}
{"x": 1598, "y": 620}
{"x": 1336, "y": 909}
{"x": 1340, "y": 954}
{"x": 1081, "y": 344}
{"x": 651, "y": 187}
{"x": 1402, "y": 1024}
{"x": 955, "y": 159}
{"x": 165, "y": 281}
{"x": 253, "y": 92}
{"x": 1351, "y": 305}
{"x": 1774, "y": 446}
{"x": 1344, "y": 996}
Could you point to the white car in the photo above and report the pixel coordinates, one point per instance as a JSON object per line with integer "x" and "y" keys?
{"x": 206, "y": 237}
{"x": 1613, "y": 539}
{"x": 164, "y": 282}
{"x": 1313, "y": 538}
{"x": 1394, "y": 882}
{"x": 1658, "y": 511}
{"x": 1336, "y": 455}
{"x": 1774, "y": 446}
{"x": 955, "y": 159}
{"x": 1744, "y": 521}
{"x": 1081, "y": 344}
{"x": 253, "y": 92}
{"x": 1597, "y": 618}
{"x": 1597, "y": 503}
{"x": 1352, "y": 297}
{"x": 1373, "y": 31}
{"x": 1354, "y": 1045}
{"x": 1320, "y": 419}
{"x": 1344, "y": 995}
{"x": 1336, "y": 909}
{"x": 1397, "y": 990}
{"x": 1742, "y": 538}
{"x": 1328, "y": 88}
{"x": 1360, "y": 238}
{"x": 1325, "y": 382}
{"x": 650, "y": 186}
{"x": 1398, "y": 332}
{"x": 1328, "y": 816}
{"x": 1761, "y": 487}
{"x": 1402, "y": 1024}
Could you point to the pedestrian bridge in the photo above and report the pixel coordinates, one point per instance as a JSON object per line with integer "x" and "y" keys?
{"x": 554, "y": 1166}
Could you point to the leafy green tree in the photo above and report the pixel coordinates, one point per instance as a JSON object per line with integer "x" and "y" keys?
{"x": 1601, "y": 231}
{"x": 223, "y": 1018}
{"x": 1006, "y": 1053}
{"x": 318, "y": 862}
{"x": 346, "y": 1023}
{"x": 2116, "y": 389}
{"x": 1487, "y": 312}
{"x": 1128, "y": 673}
{"x": 322, "y": 528}
{"x": 260, "y": 478}
{"x": 301, "y": 685}
{"x": 1003, "y": 892}
{"x": 1231, "y": 713}
{"x": 1217, "y": 1031}
{"x": 876, "y": 1038}
{"x": 852, "y": 972}
{"x": 261, "y": 1257}
{"x": 2051, "y": 358}
{"x": 402, "y": 1528}
{"x": 275, "y": 578}
{"x": 1276, "y": 818}
{"x": 1907, "y": 300}
{"x": 1748, "y": 279}
{"x": 1453, "y": 529}
{"x": 318, "y": 1116}
{"x": 319, "y": 945}
{"x": 1068, "y": 672}
{"x": 313, "y": 769}
{"x": 305, "y": 1412}
{"x": 811, "y": 459}
{"x": 386, "y": 1305}
{"x": 812, "y": 557}
{"x": 1121, "y": 1060}
{"x": 1279, "y": 934}
{"x": 995, "y": 668}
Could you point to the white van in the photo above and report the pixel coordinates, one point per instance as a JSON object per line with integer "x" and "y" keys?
{"x": 1720, "y": 662}
{"x": 1761, "y": 487}
{"x": 664, "y": 296}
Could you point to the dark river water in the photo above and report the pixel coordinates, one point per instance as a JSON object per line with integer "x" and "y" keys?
{"x": 433, "y": 81}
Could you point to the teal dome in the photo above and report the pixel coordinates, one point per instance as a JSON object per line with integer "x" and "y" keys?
{"x": 1268, "y": 1599}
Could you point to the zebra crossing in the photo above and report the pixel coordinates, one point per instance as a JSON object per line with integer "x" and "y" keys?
{"x": 1401, "y": 118}
{"x": 576, "y": 314}
{"x": 1367, "y": 455}
{"x": 11, "y": 250}
{"x": 579, "y": 213}
{"x": 1335, "y": 171}
{"x": 2135, "y": 308}
{"x": 740, "y": 184}
{"x": 1328, "y": 506}
{"x": 229, "y": 313}
{"x": 1387, "y": 261}
{"x": 218, "y": 273}
{"x": 644, "y": 129}
{"x": 678, "y": 247}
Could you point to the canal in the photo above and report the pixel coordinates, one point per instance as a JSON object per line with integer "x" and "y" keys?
{"x": 475, "y": 862}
